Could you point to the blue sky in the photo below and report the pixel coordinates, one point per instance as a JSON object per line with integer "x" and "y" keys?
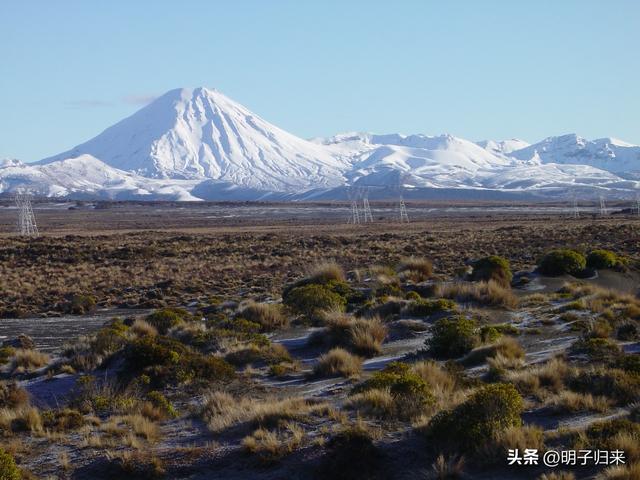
{"x": 476, "y": 69}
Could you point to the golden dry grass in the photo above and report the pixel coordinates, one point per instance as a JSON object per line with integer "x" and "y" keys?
{"x": 338, "y": 361}
{"x": 221, "y": 410}
{"x": 483, "y": 293}
{"x": 28, "y": 360}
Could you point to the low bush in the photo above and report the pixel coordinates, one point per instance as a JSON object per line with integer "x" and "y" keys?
{"x": 466, "y": 428}
{"x": 338, "y": 362}
{"x": 452, "y": 337}
{"x": 493, "y": 268}
{"x": 352, "y": 455}
{"x": 411, "y": 393}
{"x": 62, "y": 420}
{"x": 166, "y": 318}
{"x": 628, "y": 331}
{"x": 314, "y": 299}
{"x": 562, "y": 261}
{"x": 597, "y": 349}
{"x": 8, "y": 468}
{"x": 602, "y": 259}
{"x": 424, "y": 307}
{"x": 620, "y": 386}
{"x": 507, "y": 347}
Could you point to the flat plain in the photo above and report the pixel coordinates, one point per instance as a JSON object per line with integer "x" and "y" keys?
{"x": 272, "y": 341}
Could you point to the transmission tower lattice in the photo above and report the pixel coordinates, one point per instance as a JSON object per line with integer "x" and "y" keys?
{"x": 355, "y": 213}
{"x": 368, "y": 217}
{"x": 638, "y": 205}
{"x": 404, "y": 216}
{"x": 26, "y": 219}
{"x": 576, "y": 212}
{"x": 603, "y": 207}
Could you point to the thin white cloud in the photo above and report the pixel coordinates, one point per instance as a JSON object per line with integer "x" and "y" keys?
{"x": 139, "y": 99}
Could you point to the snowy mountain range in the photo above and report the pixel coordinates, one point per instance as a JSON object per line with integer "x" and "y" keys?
{"x": 197, "y": 144}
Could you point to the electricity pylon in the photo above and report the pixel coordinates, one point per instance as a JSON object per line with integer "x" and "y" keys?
{"x": 368, "y": 217}
{"x": 404, "y": 216}
{"x": 26, "y": 219}
{"x": 603, "y": 207}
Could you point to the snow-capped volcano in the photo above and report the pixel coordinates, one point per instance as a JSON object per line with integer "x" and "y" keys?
{"x": 192, "y": 144}
{"x": 202, "y": 134}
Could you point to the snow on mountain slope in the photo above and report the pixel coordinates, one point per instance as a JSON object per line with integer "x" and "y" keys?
{"x": 604, "y": 153}
{"x": 202, "y": 134}
{"x": 504, "y": 147}
{"x": 192, "y": 144}
{"x": 86, "y": 175}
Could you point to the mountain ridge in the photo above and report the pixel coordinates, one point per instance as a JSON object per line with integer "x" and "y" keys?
{"x": 197, "y": 143}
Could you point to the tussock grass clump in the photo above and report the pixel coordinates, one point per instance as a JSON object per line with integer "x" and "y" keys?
{"x": 416, "y": 269}
{"x": 270, "y": 354}
{"x": 616, "y": 434}
{"x": 271, "y": 445}
{"x": 621, "y": 472}
{"x": 520, "y": 437}
{"x": 475, "y": 422}
{"x": 549, "y": 376}
{"x": 452, "y": 337}
{"x": 21, "y": 419}
{"x": 483, "y": 293}
{"x": 338, "y": 361}
{"x": 142, "y": 328}
{"x": 222, "y": 410}
{"x": 598, "y": 349}
{"x": 326, "y": 272}
{"x": 28, "y": 360}
{"x": 12, "y": 395}
{"x": 444, "y": 468}
{"x": 268, "y": 315}
{"x": 561, "y": 475}
{"x": 572, "y": 402}
{"x": 493, "y": 268}
{"x": 562, "y": 261}
{"x": 362, "y": 336}
{"x": 373, "y": 403}
{"x": 506, "y": 347}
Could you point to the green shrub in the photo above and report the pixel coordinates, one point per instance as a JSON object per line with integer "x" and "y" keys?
{"x": 110, "y": 338}
{"x": 158, "y": 400}
{"x": 352, "y": 455}
{"x": 424, "y": 308}
{"x": 166, "y": 359}
{"x": 411, "y": 393}
{"x": 630, "y": 363}
{"x": 602, "y": 259}
{"x": 598, "y": 349}
{"x": 493, "y": 268}
{"x": 81, "y": 304}
{"x": 8, "y": 468}
{"x": 478, "y": 420}
{"x": 166, "y": 318}
{"x": 489, "y": 334}
{"x": 452, "y": 337}
{"x": 313, "y": 299}
{"x": 62, "y": 420}
{"x": 559, "y": 262}
{"x": 627, "y": 331}
{"x": 415, "y": 296}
